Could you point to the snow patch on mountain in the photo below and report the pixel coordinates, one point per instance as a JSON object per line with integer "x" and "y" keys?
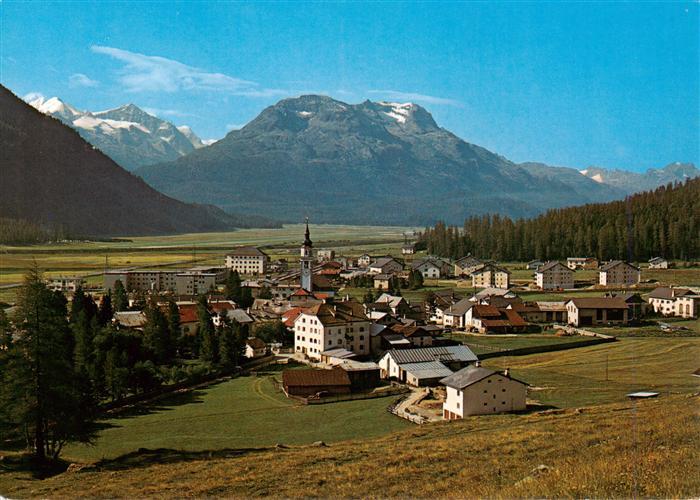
{"x": 399, "y": 111}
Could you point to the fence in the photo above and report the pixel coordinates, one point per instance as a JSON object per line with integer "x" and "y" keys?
{"x": 548, "y": 348}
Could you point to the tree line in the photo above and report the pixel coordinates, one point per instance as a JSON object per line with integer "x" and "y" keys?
{"x": 60, "y": 362}
{"x": 664, "y": 222}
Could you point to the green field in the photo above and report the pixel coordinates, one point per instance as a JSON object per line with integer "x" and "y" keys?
{"x": 577, "y": 377}
{"x": 245, "y": 412}
{"x": 84, "y": 258}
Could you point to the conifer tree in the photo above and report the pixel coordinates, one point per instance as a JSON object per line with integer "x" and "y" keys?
{"x": 121, "y": 300}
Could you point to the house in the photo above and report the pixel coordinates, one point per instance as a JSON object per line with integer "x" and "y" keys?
{"x": 364, "y": 260}
{"x": 431, "y": 268}
{"x": 591, "y": 311}
{"x": 393, "y": 362}
{"x": 385, "y": 265}
{"x": 130, "y": 319}
{"x": 440, "y": 302}
{"x": 681, "y": 302}
{"x": 491, "y": 275}
{"x": 574, "y": 263}
{"x": 325, "y": 254}
{"x": 658, "y": 263}
{"x": 255, "y": 348}
{"x": 397, "y": 305}
{"x": 467, "y": 265}
{"x": 408, "y": 249}
{"x": 182, "y": 282}
{"x": 416, "y": 334}
{"x": 534, "y": 264}
{"x": 636, "y": 305}
{"x": 554, "y": 276}
{"x": 529, "y": 311}
{"x": 688, "y": 306}
{"x": 485, "y": 295}
{"x": 321, "y": 327}
{"x": 553, "y": 311}
{"x": 618, "y": 272}
{"x": 363, "y": 375}
{"x": 454, "y": 316}
{"x": 475, "y": 390}
{"x": 427, "y": 373}
{"x": 487, "y": 318}
{"x": 305, "y": 383}
{"x": 65, "y": 284}
{"x": 383, "y": 281}
{"x": 247, "y": 260}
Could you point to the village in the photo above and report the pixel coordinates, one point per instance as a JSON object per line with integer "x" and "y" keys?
{"x": 340, "y": 347}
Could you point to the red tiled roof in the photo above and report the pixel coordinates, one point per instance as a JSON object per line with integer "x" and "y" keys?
{"x": 290, "y": 316}
{"x": 188, "y": 313}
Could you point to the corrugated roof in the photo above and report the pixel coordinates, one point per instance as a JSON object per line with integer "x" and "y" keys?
{"x": 470, "y": 375}
{"x": 427, "y": 369}
{"x": 443, "y": 353}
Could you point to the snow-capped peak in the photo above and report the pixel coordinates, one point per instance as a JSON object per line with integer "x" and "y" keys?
{"x": 191, "y": 136}
{"x": 55, "y": 106}
{"x": 583, "y": 172}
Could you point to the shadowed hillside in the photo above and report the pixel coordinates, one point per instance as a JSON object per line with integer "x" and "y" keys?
{"x": 52, "y": 177}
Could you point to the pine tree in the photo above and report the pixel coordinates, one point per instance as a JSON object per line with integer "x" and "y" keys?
{"x": 105, "y": 312}
{"x": 232, "y": 288}
{"x": 231, "y": 342}
{"x": 208, "y": 347}
{"x": 156, "y": 334}
{"x": 121, "y": 300}
{"x": 38, "y": 391}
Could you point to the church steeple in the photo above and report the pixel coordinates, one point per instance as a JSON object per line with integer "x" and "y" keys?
{"x": 307, "y": 238}
{"x": 307, "y": 259}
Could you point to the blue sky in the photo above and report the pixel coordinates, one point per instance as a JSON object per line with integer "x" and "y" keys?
{"x": 565, "y": 83}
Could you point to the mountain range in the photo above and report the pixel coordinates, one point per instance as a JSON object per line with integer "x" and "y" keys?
{"x": 374, "y": 163}
{"x": 52, "y": 176}
{"x": 127, "y": 134}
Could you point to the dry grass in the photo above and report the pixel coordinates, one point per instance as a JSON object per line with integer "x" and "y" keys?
{"x": 645, "y": 449}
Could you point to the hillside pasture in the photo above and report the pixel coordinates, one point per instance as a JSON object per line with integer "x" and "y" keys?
{"x": 244, "y": 412}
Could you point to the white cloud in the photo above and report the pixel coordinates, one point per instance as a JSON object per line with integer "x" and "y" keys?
{"x": 144, "y": 73}
{"x": 412, "y": 96}
{"x": 166, "y": 112}
{"x": 81, "y": 80}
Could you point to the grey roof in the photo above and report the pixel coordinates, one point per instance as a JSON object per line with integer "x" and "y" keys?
{"x": 460, "y": 308}
{"x": 658, "y": 259}
{"x": 382, "y": 261}
{"x": 339, "y": 352}
{"x": 663, "y": 292}
{"x": 551, "y": 265}
{"x": 442, "y": 353}
{"x": 615, "y": 263}
{"x": 130, "y": 319}
{"x": 239, "y": 315}
{"x": 468, "y": 376}
{"x": 427, "y": 369}
{"x": 491, "y": 267}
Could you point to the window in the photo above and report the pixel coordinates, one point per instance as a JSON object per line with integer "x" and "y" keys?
{"x": 362, "y": 337}
{"x": 458, "y": 405}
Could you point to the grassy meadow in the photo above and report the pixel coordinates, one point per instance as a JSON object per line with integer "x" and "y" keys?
{"x": 624, "y": 450}
{"x": 244, "y": 412}
{"x": 605, "y": 373}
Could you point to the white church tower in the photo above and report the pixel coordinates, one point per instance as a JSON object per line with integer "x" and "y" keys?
{"x": 306, "y": 260}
